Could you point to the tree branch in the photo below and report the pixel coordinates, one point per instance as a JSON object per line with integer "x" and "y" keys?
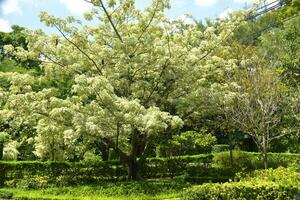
{"x": 79, "y": 49}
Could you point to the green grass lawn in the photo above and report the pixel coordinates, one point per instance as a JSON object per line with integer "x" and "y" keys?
{"x": 145, "y": 190}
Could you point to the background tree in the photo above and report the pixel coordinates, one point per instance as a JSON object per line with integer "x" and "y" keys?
{"x": 263, "y": 108}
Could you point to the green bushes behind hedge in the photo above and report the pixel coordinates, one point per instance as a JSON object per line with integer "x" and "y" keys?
{"x": 252, "y": 160}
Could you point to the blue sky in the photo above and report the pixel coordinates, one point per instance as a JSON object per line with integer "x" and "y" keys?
{"x": 25, "y": 12}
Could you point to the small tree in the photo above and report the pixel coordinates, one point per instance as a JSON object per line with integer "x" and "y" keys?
{"x": 262, "y": 108}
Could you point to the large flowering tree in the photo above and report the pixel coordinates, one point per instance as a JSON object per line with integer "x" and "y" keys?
{"x": 124, "y": 77}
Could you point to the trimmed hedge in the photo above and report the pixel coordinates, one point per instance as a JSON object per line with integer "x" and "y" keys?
{"x": 175, "y": 166}
{"x": 5, "y": 194}
{"x": 35, "y": 172}
{"x": 276, "y": 184}
{"x": 220, "y": 148}
{"x": 202, "y": 168}
{"x": 241, "y": 191}
{"x": 252, "y": 160}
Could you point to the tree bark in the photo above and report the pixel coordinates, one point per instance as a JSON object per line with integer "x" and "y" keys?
{"x": 104, "y": 149}
{"x": 132, "y": 164}
{"x": 265, "y": 151}
{"x": 1, "y": 150}
{"x": 230, "y": 148}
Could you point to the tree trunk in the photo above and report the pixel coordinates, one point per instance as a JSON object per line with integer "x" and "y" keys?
{"x": 230, "y": 148}
{"x": 265, "y": 151}
{"x": 104, "y": 149}
{"x": 132, "y": 164}
{"x": 133, "y": 169}
{"x": 1, "y": 150}
{"x": 138, "y": 143}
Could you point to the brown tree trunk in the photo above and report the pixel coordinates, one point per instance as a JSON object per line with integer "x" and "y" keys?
{"x": 133, "y": 169}
{"x": 132, "y": 164}
{"x": 104, "y": 149}
{"x": 265, "y": 151}
{"x": 138, "y": 145}
{"x": 230, "y": 148}
{"x": 1, "y": 150}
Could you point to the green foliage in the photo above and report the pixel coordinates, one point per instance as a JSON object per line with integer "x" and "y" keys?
{"x": 110, "y": 190}
{"x": 220, "y": 148}
{"x": 251, "y": 161}
{"x": 198, "y": 173}
{"x": 280, "y": 184}
{"x": 5, "y": 194}
{"x": 16, "y": 38}
{"x": 31, "y": 174}
{"x": 284, "y": 176}
{"x": 201, "y": 168}
{"x": 241, "y": 191}
{"x": 174, "y": 166}
{"x": 90, "y": 158}
{"x": 189, "y": 143}
{"x": 4, "y": 137}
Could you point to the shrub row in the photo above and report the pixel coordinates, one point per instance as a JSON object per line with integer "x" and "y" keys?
{"x": 59, "y": 172}
{"x": 38, "y": 174}
{"x": 5, "y": 194}
{"x": 252, "y": 160}
{"x": 175, "y": 166}
{"x": 277, "y": 184}
{"x": 241, "y": 191}
{"x": 205, "y": 167}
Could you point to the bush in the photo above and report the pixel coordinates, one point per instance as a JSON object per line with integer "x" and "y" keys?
{"x": 174, "y": 166}
{"x": 220, "y": 148}
{"x": 281, "y": 184}
{"x": 241, "y": 191}
{"x": 189, "y": 143}
{"x": 197, "y": 173}
{"x": 201, "y": 168}
{"x": 59, "y": 173}
{"x": 284, "y": 176}
{"x": 5, "y": 194}
{"x": 90, "y": 158}
{"x": 241, "y": 160}
{"x": 251, "y": 160}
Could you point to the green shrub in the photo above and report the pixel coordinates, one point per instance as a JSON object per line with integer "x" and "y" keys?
{"x": 252, "y": 160}
{"x": 5, "y": 194}
{"x": 59, "y": 173}
{"x": 241, "y": 160}
{"x": 241, "y": 191}
{"x": 220, "y": 148}
{"x": 284, "y": 176}
{"x": 278, "y": 184}
{"x": 188, "y": 143}
{"x": 90, "y": 158}
{"x": 202, "y": 168}
{"x": 174, "y": 166}
{"x": 216, "y": 174}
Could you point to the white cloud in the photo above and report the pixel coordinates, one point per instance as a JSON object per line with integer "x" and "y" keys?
{"x": 4, "y": 26}
{"x": 11, "y": 6}
{"x": 76, "y": 6}
{"x": 225, "y": 13}
{"x": 205, "y": 3}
